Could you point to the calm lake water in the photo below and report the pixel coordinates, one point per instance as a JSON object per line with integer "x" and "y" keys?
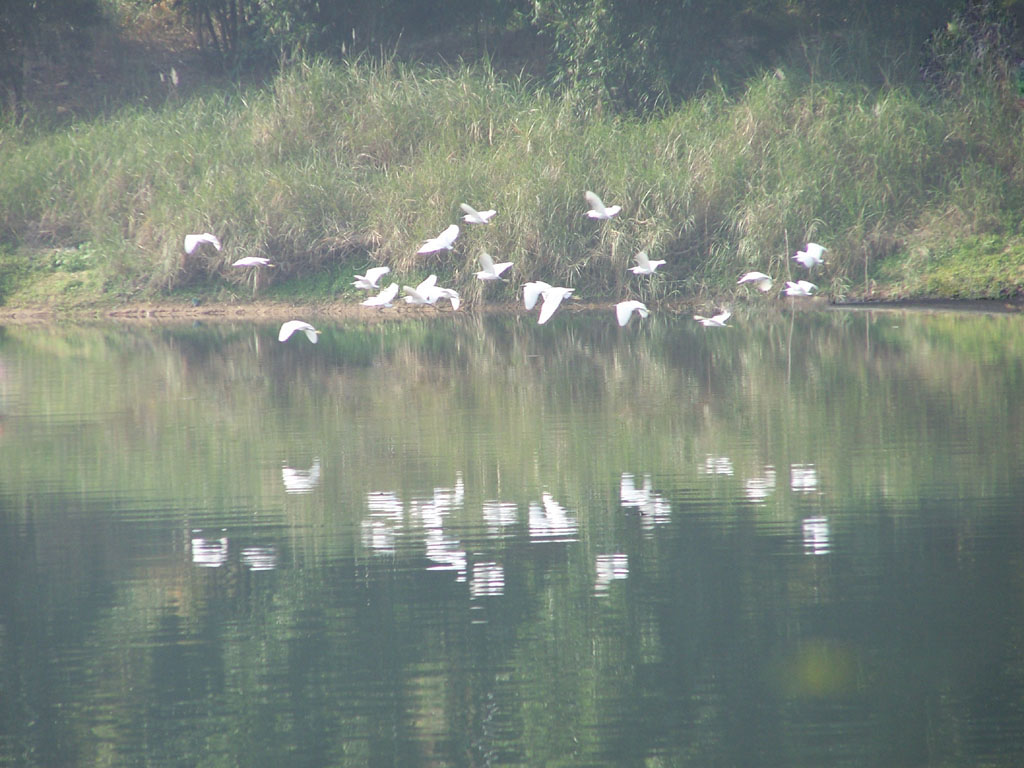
{"x": 466, "y": 541}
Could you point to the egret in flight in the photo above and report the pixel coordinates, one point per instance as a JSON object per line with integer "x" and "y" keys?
{"x": 192, "y": 241}
{"x": 368, "y": 282}
{"x": 489, "y": 270}
{"x": 473, "y": 216}
{"x": 717, "y": 321}
{"x": 598, "y": 209}
{"x": 442, "y": 242}
{"x": 553, "y": 297}
{"x": 624, "y": 311}
{"x": 437, "y": 292}
{"x": 645, "y": 265}
{"x": 382, "y": 299}
{"x": 800, "y": 288}
{"x": 759, "y": 279}
{"x": 421, "y": 293}
{"x": 293, "y": 326}
{"x": 533, "y": 291}
{"x": 252, "y": 261}
{"x": 811, "y": 255}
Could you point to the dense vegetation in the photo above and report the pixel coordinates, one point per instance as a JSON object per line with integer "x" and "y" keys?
{"x": 893, "y": 136}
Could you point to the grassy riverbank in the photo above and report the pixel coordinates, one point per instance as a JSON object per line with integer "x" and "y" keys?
{"x": 332, "y": 167}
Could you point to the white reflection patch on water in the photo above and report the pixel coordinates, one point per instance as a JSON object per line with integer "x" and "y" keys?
{"x": 487, "y": 580}
{"x": 301, "y": 480}
{"x": 817, "y": 536}
{"x": 209, "y": 553}
{"x": 450, "y": 498}
{"x": 445, "y": 554}
{"x": 550, "y": 521}
{"x": 442, "y": 550}
{"x": 379, "y": 536}
{"x": 716, "y": 465}
{"x": 385, "y": 504}
{"x": 379, "y": 532}
{"x": 757, "y": 489}
{"x": 609, "y": 568}
{"x": 654, "y": 508}
{"x": 500, "y": 516}
{"x": 259, "y": 558}
{"x": 803, "y": 478}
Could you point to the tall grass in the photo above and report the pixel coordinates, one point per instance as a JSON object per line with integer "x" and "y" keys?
{"x": 336, "y": 166}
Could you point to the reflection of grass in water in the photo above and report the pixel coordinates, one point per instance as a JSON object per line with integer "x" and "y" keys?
{"x": 880, "y": 411}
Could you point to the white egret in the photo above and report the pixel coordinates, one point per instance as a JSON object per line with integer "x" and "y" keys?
{"x": 437, "y": 292}
{"x": 759, "y": 279}
{"x": 382, "y": 299}
{"x": 192, "y": 241}
{"x": 474, "y": 216}
{"x": 533, "y": 291}
{"x": 442, "y": 242}
{"x": 553, "y": 297}
{"x": 811, "y": 255}
{"x": 598, "y": 209}
{"x": 297, "y": 325}
{"x": 645, "y": 265}
{"x": 368, "y": 282}
{"x": 624, "y": 310}
{"x": 490, "y": 270}
{"x": 252, "y": 261}
{"x": 421, "y": 293}
{"x": 717, "y": 321}
{"x": 800, "y": 288}
{"x": 429, "y": 292}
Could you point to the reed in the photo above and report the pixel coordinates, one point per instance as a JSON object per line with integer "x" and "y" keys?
{"x": 332, "y": 167}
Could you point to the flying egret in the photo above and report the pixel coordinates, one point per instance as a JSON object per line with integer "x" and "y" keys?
{"x": 421, "y": 293}
{"x": 759, "y": 279}
{"x": 624, "y": 310}
{"x": 442, "y": 242}
{"x": 368, "y": 282}
{"x": 252, "y": 261}
{"x": 598, "y": 209}
{"x": 297, "y": 325}
{"x": 800, "y": 288}
{"x": 192, "y": 241}
{"x": 645, "y": 265}
{"x": 533, "y": 291}
{"x": 811, "y": 255}
{"x": 437, "y": 292}
{"x": 429, "y": 292}
{"x": 553, "y": 297}
{"x": 382, "y": 299}
{"x": 473, "y": 216}
{"x": 490, "y": 270}
{"x": 717, "y": 321}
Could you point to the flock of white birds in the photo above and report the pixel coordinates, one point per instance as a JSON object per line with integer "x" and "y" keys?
{"x": 551, "y": 297}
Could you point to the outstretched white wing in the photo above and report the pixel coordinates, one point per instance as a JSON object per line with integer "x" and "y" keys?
{"x": 474, "y": 216}
{"x": 192, "y": 241}
{"x": 441, "y": 242}
{"x": 290, "y": 327}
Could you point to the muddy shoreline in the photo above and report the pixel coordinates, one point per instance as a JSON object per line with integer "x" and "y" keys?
{"x": 171, "y": 312}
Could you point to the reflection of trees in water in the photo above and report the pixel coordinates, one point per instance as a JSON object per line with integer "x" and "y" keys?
{"x": 659, "y": 533}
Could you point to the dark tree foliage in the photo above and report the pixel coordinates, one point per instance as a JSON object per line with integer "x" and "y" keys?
{"x": 253, "y": 31}
{"x": 634, "y": 52}
{"x": 631, "y": 54}
{"x": 32, "y": 28}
